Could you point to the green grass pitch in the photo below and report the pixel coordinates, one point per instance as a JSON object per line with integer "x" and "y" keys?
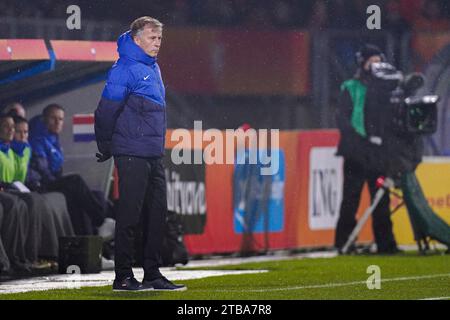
{"x": 405, "y": 276}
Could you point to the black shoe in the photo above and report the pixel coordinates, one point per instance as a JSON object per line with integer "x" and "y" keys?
{"x": 129, "y": 284}
{"x": 163, "y": 284}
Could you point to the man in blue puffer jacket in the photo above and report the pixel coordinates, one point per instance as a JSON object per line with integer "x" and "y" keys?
{"x": 130, "y": 124}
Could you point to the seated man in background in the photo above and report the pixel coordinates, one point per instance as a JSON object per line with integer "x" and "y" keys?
{"x": 86, "y": 209}
{"x": 55, "y": 221}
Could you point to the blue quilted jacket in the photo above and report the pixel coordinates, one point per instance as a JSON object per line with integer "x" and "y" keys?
{"x": 45, "y": 145}
{"x": 130, "y": 118}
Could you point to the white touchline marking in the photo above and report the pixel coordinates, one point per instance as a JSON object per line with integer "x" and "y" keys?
{"x": 333, "y": 285}
{"x": 437, "y": 298}
{"x": 105, "y": 279}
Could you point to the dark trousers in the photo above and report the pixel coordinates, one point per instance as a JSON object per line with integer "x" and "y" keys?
{"x": 85, "y": 208}
{"x": 14, "y": 230}
{"x": 4, "y": 261}
{"x": 142, "y": 204}
{"x": 354, "y": 177}
{"x": 37, "y": 208}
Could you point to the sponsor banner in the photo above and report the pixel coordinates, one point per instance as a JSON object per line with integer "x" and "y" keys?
{"x": 316, "y": 222}
{"x": 302, "y": 155}
{"x": 206, "y": 196}
{"x": 83, "y": 128}
{"x": 434, "y": 178}
{"x": 325, "y": 188}
{"x": 303, "y": 207}
{"x": 186, "y": 194}
{"x": 219, "y": 234}
{"x": 258, "y": 199}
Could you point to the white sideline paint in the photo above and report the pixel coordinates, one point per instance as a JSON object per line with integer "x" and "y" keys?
{"x": 437, "y": 298}
{"x": 342, "y": 284}
{"x": 105, "y": 279}
{"x": 281, "y": 256}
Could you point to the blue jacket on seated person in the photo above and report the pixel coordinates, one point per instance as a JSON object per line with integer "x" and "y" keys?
{"x": 48, "y": 156}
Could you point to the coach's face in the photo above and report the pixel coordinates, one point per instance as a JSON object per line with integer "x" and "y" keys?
{"x": 55, "y": 121}
{"x": 149, "y": 39}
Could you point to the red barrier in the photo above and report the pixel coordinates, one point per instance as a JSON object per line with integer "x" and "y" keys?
{"x": 23, "y": 49}
{"x": 70, "y": 50}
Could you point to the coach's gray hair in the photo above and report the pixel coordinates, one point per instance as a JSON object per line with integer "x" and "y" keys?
{"x": 140, "y": 23}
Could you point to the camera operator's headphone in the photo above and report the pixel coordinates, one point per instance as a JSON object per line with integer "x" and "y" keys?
{"x": 367, "y": 51}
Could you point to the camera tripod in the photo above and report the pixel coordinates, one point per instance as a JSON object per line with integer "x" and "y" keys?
{"x": 426, "y": 224}
{"x": 384, "y": 184}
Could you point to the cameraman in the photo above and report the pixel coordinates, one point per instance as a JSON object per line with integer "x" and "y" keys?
{"x": 361, "y": 116}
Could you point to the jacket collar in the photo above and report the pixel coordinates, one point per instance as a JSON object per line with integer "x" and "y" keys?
{"x": 38, "y": 129}
{"x": 19, "y": 147}
{"x": 128, "y": 49}
{"x": 4, "y": 147}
